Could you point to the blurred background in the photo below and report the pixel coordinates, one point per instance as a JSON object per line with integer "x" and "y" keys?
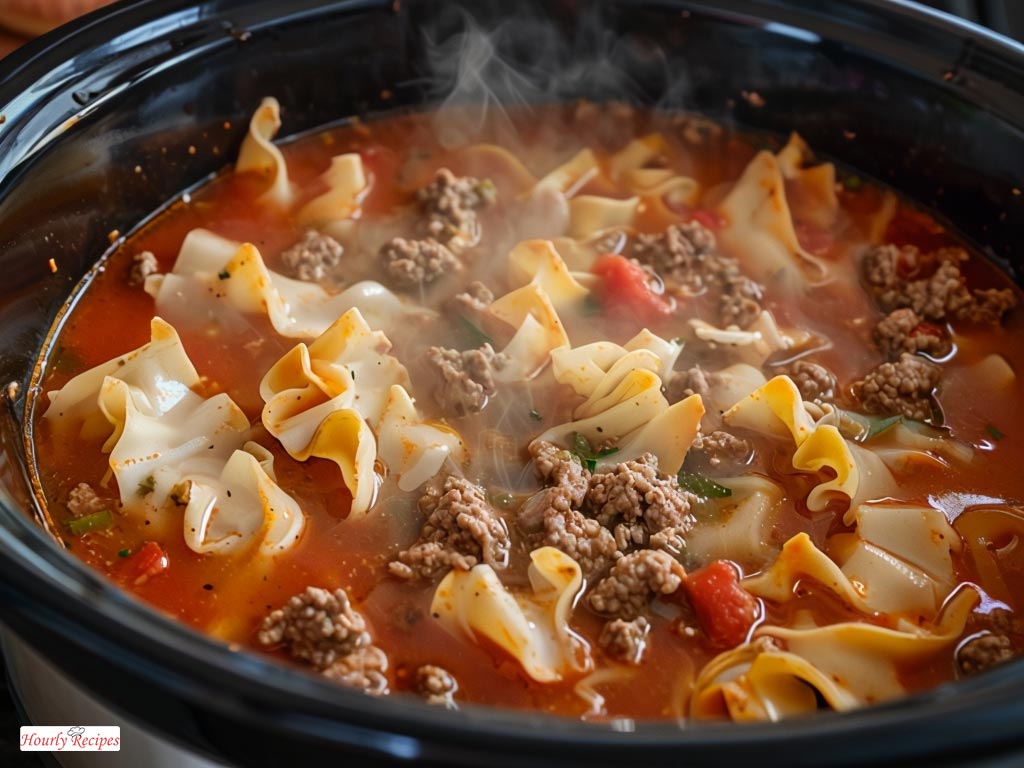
{"x": 21, "y": 20}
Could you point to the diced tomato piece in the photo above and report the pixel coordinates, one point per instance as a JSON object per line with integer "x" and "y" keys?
{"x": 710, "y": 219}
{"x": 925, "y": 328}
{"x": 625, "y": 285}
{"x": 726, "y": 610}
{"x": 150, "y": 560}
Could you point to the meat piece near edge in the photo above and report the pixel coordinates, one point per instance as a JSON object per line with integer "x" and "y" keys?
{"x": 316, "y": 626}
{"x": 903, "y": 330}
{"x": 634, "y": 579}
{"x": 462, "y": 529}
{"x": 625, "y": 641}
{"x": 902, "y": 388}
{"x": 815, "y": 381}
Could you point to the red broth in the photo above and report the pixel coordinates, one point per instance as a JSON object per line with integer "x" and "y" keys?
{"x": 229, "y": 596}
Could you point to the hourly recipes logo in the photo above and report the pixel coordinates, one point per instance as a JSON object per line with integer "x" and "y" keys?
{"x": 75, "y": 738}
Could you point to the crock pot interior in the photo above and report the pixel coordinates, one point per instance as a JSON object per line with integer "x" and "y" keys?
{"x": 107, "y": 119}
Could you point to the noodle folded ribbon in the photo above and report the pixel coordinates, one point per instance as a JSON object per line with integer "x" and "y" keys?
{"x": 169, "y": 445}
{"x": 539, "y": 331}
{"x": 783, "y": 671}
{"x": 760, "y": 227}
{"x": 777, "y": 409}
{"x": 532, "y": 627}
{"x": 334, "y": 399}
{"x": 212, "y": 273}
{"x": 624, "y": 401}
{"x": 258, "y": 153}
{"x": 346, "y": 183}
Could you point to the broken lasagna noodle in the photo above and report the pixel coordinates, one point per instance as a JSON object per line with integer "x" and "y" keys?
{"x": 641, "y": 423}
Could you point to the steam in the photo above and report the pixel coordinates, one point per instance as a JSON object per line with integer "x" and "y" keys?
{"x": 478, "y": 73}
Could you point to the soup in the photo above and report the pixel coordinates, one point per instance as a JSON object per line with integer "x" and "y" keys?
{"x": 607, "y": 413}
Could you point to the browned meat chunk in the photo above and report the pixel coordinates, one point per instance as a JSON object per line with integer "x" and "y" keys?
{"x": 316, "y": 626}
{"x": 815, "y": 382}
{"x": 314, "y": 257}
{"x": 903, "y": 330}
{"x": 643, "y": 507}
{"x": 984, "y": 652}
{"x": 144, "y": 264}
{"x": 437, "y": 685}
{"x": 451, "y": 204}
{"x": 83, "y": 500}
{"x": 739, "y": 302}
{"x": 549, "y": 519}
{"x": 462, "y": 529}
{"x": 557, "y": 466}
{"x": 694, "y": 381}
{"x": 989, "y": 306}
{"x": 364, "y": 668}
{"x": 723, "y": 448}
{"x": 625, "y": 641}
{"x": 475, "y": 299}
{"x": 931, "y": 284}
{"x": 466, "y": 379}
{"x": 415, "y": 263}
{"x": 625, "y": 592}
{"x": 681, "y": 255}
{"x": 904, "y": 387}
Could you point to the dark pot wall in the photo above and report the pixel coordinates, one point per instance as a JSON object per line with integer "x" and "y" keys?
{"x": 937, "y": 110}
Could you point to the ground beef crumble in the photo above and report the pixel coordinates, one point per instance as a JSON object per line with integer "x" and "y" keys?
{"x": 551, "y": 517}
{"x": 682, "y": 255}
{"x": 693, "y": 381}
{"x": 83, "y": 500}
{"x": 437, "y": 685}
{"x": 451, "y": 204}
{"x": 931, "y": 284}
{"x": 815, "y": 381}
{"x": 722, "y": 448}
{"x": 625, "y": 641}
{"x": 475, "y": 299}
{"x": 365, "y": 669}
{"x": 314, "y": 257}
{"x": 903, "y": 330}
{"x": 316, "y": 626}
{"x": 904, "y": 387}
{"x": 465, "y": 379}
{"x": 143, "y": 265}
{"x": 415, "y": 263}
{"x": 626, "y": 591}
{"x": 461, "y": 529}
{"x": 642, "y": 507}
{"x": 739, "y": 303}
{"x": 983, "y": 652}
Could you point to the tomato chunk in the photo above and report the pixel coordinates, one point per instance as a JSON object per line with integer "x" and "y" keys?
{"x": 726, "y": 611}
{"x": 150, "y": 560}
{"x": 626, "y": 286}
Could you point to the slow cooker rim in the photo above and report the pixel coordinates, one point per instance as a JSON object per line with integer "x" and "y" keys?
{"x": 26, "y": 546}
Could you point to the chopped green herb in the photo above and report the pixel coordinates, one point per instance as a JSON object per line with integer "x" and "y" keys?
{"x": 477, "y": 336}
{"x": 995, "y": 432}
{"x": 353, "y": 375}
{"x": 853, "y": 183}
{"x": 591, "y": 305}
{"x": 878, "y": 426}
{"x": 702, "y": 486}
{"x": 124, "y": 553}
{"x": 97, "y": 521}
{"x": 224, "y": 274}
{"x": 487, "y": 191}
{"x": 535, "y": 414}
{"x": 678, "y": 341}
{"x": 582, "y": 448}
{"x": 146, "y": 486}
